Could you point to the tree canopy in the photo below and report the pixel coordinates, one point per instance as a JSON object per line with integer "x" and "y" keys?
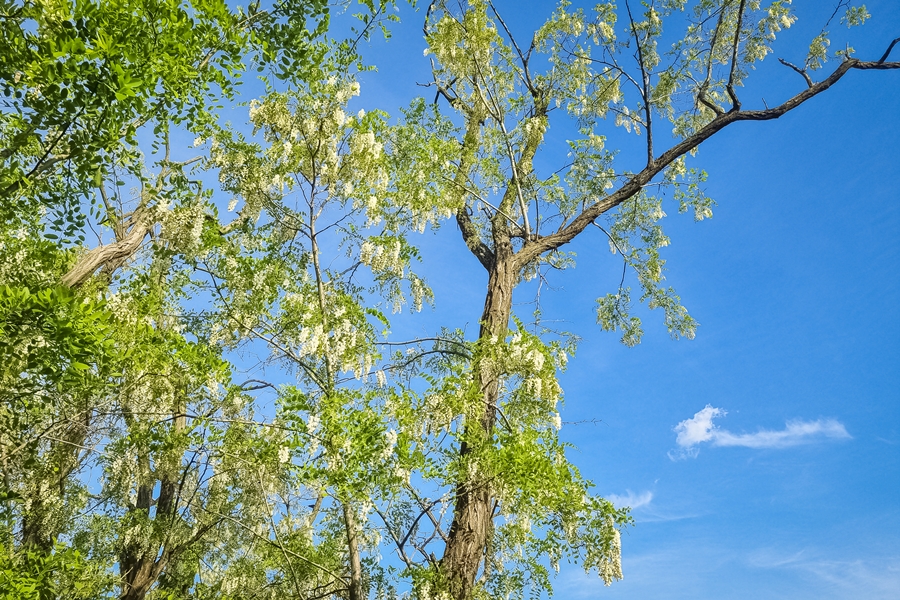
{"x": 201, "y": 393}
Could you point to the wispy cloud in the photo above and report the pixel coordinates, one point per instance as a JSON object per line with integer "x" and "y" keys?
{"x": 631, "y": 499}
{"x": 872, "y": 577}
{"x": 700, "y": 429}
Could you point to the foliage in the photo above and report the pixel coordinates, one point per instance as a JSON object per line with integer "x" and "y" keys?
{"x": 81, "y": 80}
{"x": 34, "y": 575}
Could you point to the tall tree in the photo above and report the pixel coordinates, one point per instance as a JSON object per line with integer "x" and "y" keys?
{"x": 516, "y": 218}
{"x": 93, "y": 91}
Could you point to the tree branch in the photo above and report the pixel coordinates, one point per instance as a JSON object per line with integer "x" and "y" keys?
{"x": 888, "y": 51}
{"x": 531, "y": 250}
{"x": 809, "y": 81}
{"x": 735, "y": 103}
{"x": 103, "y": 255}
{"x": 645, "y": 85}
{"x": 470, "y": 236}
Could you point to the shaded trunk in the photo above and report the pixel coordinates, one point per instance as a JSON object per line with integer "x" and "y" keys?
{"x": 473, "y": 510}
{"x": 140, "y": 562}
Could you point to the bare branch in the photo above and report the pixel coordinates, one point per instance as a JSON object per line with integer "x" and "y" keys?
{"x": 735, "y": 103}
{"x": 526, "y": 75}
{"x": 887, "y": 52}
{"x": 701, "y": 92}
{"x": 809, "y": 81}
{"x": 401, "y": 552}
{"x": 645, "y": 86}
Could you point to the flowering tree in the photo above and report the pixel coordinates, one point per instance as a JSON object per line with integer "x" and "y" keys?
{"x": 516, "y": 220}
{"x": 107, "y": 375}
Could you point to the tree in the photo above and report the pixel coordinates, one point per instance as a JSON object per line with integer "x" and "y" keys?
{"x": 516, "y": 221}
{"x": 92, "y": 89}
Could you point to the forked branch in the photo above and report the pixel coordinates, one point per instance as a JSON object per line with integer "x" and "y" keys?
{"x": 533, "y": 249}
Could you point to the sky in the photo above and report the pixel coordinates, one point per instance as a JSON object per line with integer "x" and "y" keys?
{"x": 761, "y": 459}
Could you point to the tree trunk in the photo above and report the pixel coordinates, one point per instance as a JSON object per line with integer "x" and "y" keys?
{"x": 472, "y": 515}
{"x": 139, "y": 565}
{"x": 357, "y": 592}
{"x": 135, "y": 564}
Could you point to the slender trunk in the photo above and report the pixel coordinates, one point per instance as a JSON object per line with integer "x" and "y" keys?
{"x": 356, "y": 587}
{"x": 357, "y": 591}
{"x": 473, "y": 510}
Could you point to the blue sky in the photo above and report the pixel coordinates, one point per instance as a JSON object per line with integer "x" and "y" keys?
{"x": 787, "y": 485}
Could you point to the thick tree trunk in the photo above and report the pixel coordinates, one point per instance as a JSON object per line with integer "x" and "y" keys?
{"x": 472, "y": 516}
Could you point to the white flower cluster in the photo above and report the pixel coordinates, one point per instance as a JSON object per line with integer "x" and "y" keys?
{"x": 390, "y": 443}
{"x": 611, "y": 568}
{"x": 183, "y": 225}
{"x": 382, "y": 255}
{"x": 526, "y": 357}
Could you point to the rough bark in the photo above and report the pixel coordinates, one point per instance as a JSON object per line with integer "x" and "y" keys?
{"x": 473, "y": 510}
{"x": 110, "y": 254}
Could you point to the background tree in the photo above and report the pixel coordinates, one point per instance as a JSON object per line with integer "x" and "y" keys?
{"x": 88, "y": 87}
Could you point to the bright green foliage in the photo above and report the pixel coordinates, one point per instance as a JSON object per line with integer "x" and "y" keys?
{"x": 64, "y": 573}
{"x": 83, "y": 78}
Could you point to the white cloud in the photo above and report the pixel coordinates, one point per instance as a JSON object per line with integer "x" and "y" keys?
{"x": 700, "y": 428}
{"x": 794, "y": 432}
{"x": 631, "y": 499}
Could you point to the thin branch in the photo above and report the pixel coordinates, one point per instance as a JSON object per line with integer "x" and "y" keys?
{"x": 526, "y": 76}
{"x": 278, "y": 541}
{"x": 257, "y": 385}
{"x": 273, "y": 543}
{"x": 427, "y": 511}
{"x": 645, "y": 87}
{"x": 887, "y": 52}
{"x": 400, "y": 550}
{"x": 420, "y": 340}
{"x": 809, "y": 81}
{"x": 735, "y": 103}
{"x": 701, "y": 92}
